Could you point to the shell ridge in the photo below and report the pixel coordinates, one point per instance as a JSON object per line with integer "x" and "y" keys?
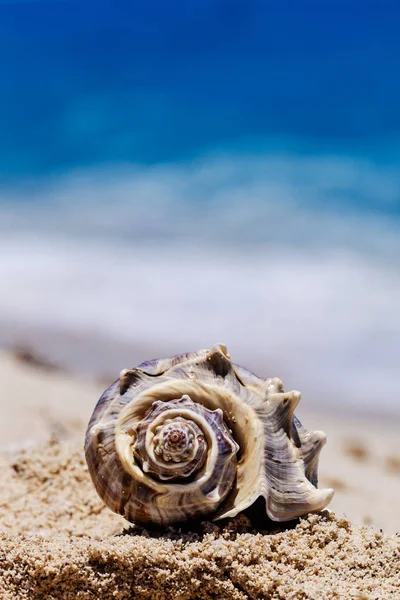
{"x": 197, "y": 435}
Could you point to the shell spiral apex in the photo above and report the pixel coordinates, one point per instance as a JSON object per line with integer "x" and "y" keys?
{"x": 196, "y": 435}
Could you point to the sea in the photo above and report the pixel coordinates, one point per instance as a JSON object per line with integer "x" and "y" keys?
{"x": 173, "y": 175}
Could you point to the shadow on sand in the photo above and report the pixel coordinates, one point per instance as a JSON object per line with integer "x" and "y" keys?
{"x": 254, "y": 520}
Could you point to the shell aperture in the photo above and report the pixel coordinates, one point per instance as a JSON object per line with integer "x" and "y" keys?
{"x": 197, "y": 436}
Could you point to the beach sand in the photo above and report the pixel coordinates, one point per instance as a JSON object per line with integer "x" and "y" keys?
{"x": 58, "y": 540}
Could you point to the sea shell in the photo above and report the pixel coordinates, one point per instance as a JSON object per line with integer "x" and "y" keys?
{"x": 196, "y": 435}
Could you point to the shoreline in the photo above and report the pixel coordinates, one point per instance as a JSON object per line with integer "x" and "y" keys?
{"x": 94, "y": 357}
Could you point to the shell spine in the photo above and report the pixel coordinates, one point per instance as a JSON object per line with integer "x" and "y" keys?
{"x": 196, "y": 435}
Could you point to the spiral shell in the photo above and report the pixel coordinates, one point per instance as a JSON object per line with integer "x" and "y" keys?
{"x": 195, "y": 435}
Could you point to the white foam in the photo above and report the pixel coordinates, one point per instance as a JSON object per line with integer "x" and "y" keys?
{"x": 331, "y": 323}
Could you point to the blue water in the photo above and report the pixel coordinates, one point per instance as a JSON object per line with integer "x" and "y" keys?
{"x": 178, "y": 174}
{"x": 87, "y": 83}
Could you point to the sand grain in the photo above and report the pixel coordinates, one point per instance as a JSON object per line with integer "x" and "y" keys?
{"x": 58, "y": 541}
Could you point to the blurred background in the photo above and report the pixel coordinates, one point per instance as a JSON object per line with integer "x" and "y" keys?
{"x": 176, "y": 174}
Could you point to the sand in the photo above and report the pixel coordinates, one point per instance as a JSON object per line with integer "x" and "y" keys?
{"x": 58, "y": 540}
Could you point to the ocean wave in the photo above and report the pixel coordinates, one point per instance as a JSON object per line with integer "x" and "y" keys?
{"x": 256, "y": 199}
{"x": 230, "y": 250}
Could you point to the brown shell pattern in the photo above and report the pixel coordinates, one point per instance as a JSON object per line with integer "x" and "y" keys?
{"x": 197, "y": 436}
